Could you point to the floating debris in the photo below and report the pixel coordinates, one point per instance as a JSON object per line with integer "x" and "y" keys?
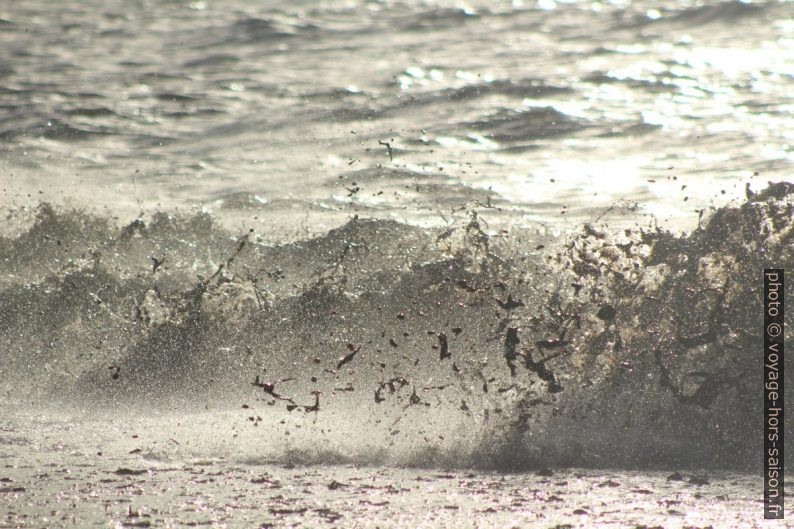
{"x": 388, "y": 149}
{"x": 442, "y": 342}
{"x": 156, "y": 263}
{"x": 353, "y": 351}
{"x": 509, "y": 303}
{"x": 542, "y": 371}
{"x": 392, "y": 385}
{"x": 509, "y": 349}
{"x": 129, "y": 472}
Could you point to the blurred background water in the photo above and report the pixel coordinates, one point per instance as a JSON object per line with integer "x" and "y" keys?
{"x": 279, "y": 112}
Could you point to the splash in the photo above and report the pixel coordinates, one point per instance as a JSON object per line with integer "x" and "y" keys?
{"x": 384, "y": 343}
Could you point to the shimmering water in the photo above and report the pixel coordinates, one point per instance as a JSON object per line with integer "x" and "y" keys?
{"x": 552, "y": 111}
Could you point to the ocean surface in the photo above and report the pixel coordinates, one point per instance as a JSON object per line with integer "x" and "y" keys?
{"x": 390, "y": 241}
{"x": 551, "y": 111}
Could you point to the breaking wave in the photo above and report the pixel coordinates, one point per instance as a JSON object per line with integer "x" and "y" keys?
{"x": 387, "y": 343}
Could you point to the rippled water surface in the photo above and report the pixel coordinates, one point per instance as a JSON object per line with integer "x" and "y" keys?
{"x": 552, "y": 111}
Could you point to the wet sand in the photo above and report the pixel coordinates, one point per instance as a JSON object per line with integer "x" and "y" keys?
{"x": 134, "y": 473}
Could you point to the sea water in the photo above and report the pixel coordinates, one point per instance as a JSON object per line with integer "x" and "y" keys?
{"x": 463, "y": 239}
